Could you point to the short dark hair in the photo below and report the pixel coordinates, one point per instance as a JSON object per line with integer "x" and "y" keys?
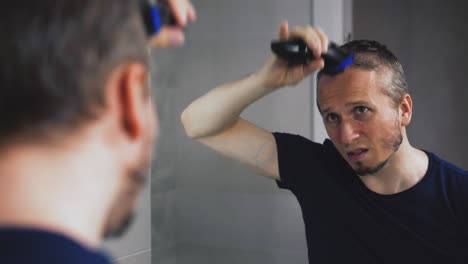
{"x": 55, "y": 56}
{"x": 372, "y": 55}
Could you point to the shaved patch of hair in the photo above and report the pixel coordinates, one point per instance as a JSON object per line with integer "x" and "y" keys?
{"x": 372, "y": 55}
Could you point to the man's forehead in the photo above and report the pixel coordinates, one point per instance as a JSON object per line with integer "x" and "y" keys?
{"x": 354, "y": 74}
{"x": 355, "y": 84}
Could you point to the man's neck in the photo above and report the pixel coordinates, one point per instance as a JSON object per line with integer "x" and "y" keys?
{"x": 405, "y": 168}
{"x": 62, "y": 190}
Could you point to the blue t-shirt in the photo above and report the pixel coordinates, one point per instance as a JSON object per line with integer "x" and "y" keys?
{"x": 31, "y": 246}
{"x": 346, "y": 222}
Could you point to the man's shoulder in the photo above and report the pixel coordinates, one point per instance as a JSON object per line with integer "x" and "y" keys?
{"x": 287, "y": 142}
{"x": 447, "y": 168}
{"x": 296, "y": 139}
{"x": 450, "y": 177}
{"x": 28, "y": 245}
{"x": 291, "y": 137}
{"x": 299, "y": 148}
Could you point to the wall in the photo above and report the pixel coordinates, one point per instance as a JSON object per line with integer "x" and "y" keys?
{"x": 334, "y": 17}
{"x": 206, "y": 209}
{"x": 429, "y": 37}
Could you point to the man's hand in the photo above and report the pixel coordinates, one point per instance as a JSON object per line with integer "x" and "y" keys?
{"x": 171, "y": 36}
{"x": 277, "y": 72}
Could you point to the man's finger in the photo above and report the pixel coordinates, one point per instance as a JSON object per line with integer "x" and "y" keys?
{"x": 168, "y": 37}
{"x": 310, "y": 38}
{"x": 323, "y": 37}
{"x": 284, "y": 31}
{"x": 192, "y": 14}
{"x": 183, "y": 11}
{"x": 314, "y": 66}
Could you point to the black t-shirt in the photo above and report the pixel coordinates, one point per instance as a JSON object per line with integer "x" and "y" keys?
{"x": 346, "y": 222}
{"x": 32, "y": 246}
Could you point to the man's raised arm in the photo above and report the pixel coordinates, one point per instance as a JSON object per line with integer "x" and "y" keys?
{"x": 214, "y": 119}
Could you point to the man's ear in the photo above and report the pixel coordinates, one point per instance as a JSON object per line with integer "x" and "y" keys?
{"x": 406, "y": 110}
{"x": 128, "y": 93}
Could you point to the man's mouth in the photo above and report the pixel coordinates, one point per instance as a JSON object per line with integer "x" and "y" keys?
{"x": 357, "y": 154}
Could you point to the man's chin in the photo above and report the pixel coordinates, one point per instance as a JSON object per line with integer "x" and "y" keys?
{"x": 121, "y": 229}
{"x": 363, "y": 170}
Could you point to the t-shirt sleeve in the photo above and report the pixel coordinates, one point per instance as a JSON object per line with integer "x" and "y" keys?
{"x": 297, "y": 158}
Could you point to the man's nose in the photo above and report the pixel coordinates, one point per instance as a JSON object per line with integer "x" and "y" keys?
{"x": 348, "y": 132}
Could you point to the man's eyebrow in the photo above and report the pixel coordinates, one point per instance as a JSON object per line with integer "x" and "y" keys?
{"x": 326, "y": 110}
{"x": 357, "y": 103}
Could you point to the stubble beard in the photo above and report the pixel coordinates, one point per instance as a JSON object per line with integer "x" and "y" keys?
{"x": 393, "y": 143}
{"x": 122, "y": 214}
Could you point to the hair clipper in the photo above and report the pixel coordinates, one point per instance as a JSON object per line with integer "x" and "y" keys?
{"x": 296, "y": 51}
{"x": 155, "y": 15}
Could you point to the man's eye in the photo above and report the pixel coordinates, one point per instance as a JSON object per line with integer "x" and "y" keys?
{"x": 361, "y": 109}
{"x": 332, "y": 118}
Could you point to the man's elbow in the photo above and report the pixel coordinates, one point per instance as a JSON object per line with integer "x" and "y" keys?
{"x": 187, "y": 123}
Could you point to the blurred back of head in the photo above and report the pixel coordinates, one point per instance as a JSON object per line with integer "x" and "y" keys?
{"x": 55, "y": 58}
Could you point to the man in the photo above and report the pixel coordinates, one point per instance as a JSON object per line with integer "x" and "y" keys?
{"x": 367, "y": 195}
{"x": 78, "y": 125}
